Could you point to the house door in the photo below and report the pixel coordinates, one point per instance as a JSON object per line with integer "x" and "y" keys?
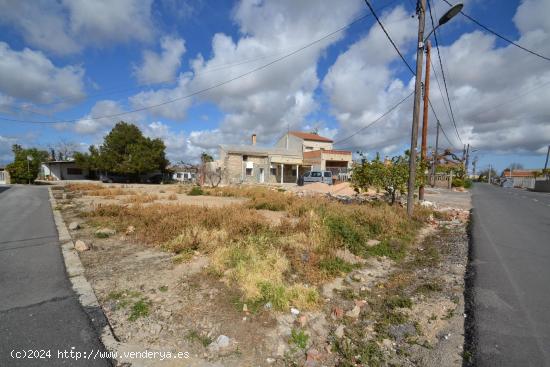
{"x": 262, "y": 175}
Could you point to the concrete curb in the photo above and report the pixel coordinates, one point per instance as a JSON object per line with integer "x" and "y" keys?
{"x": 75, "y": 272}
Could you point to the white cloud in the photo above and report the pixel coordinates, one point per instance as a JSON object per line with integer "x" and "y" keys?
{"x": 161, "y": 68}
{"x": 105, "y": 21}
{"x": 483, "y": 80}
{"x": 175, "y": 110}
{"x": 31, "y": 76}
{"x": 362, "y": 84}
{"x": 5, "y": 148}
{"x": 65, "y": 27}
{"x": 93, "y": 126}
{"x": 269, "y": 100}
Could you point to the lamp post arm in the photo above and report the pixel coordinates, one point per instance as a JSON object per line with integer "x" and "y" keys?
{"x": 429, "y": 34}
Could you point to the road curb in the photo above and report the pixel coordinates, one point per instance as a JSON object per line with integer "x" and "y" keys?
{"x": 84, "y": 290}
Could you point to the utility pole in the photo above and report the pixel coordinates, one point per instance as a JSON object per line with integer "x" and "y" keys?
{"x": 474, "y": 163}
{"x": 490, "y": 169}
{"x": 436, "y": 159}
{"x": 423, "y": 150}
{"x": 467, "y": 160}
{"x": 546, "y": 163}
{"x": 421, "y": 12}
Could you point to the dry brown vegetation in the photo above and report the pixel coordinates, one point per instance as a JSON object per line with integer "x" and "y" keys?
{"x": 259, "y": 257}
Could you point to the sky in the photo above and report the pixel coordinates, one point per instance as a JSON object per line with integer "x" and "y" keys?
{"x": 198, "y": 73}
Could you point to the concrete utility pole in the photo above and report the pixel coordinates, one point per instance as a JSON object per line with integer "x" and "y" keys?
{"x": 421, "y": 12}
{"x": 467, "y": 160}
{"x": 435, "y": 160}
{"x": 489, "y": 178}
{"x": 423, "y": 150}
{"x": 546, "y": 163}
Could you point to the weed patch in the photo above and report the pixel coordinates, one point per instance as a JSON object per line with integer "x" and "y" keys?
{"x": 298, "y": 338}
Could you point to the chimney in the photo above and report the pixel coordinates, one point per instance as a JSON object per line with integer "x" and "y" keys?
{"x": 253, "y": 139}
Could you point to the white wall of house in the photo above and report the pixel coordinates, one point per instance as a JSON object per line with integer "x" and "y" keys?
{"x": 63, "y": 171}
{"x": 296, "y": 143}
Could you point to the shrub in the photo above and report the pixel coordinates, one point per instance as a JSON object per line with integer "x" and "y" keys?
{"x": 139, "y": 309}
{"x": 196, "y": 191}
{"x": 299, "y": 338}
{"x": 334, "y": 266}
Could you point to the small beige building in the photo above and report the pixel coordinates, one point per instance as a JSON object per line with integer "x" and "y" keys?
{"x": 294, "y": 154}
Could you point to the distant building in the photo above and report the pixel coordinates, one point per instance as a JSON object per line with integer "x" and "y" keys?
{"x": 295, "y": 153}
{"x": 62, "y": 170}
{"x": 524, "y": 178}
{"x": 4, "y": 176}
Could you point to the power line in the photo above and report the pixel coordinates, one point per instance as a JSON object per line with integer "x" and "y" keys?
{"x": 204, "y": 89}
{"x": 389, "y": 37}
{"x": 376, "y": 120}
{"x": 357, "y": 20}
{"x": 443, "y": 74}
{"x": 501, "y": 36}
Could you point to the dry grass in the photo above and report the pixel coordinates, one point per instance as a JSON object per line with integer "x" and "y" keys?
{"x": 140, "y": 198}
{"x": 260, "y": 258}
{"x": 90, "y": 189}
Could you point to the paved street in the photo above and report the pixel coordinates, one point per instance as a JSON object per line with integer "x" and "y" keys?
{"x": 511, "y": 267}
{"x": 38, "y": 309}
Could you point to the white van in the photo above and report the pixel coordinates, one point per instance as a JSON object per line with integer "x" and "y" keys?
{"x": 317, "y": 176}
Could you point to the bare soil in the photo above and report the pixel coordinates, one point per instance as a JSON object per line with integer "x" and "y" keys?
{"x": 188, "y": 308}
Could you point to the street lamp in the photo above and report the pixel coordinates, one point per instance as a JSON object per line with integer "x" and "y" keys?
{"x": 29, "y": 159}
{"x": 453, "y": 11}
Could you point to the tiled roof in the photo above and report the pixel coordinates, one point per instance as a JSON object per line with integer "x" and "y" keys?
{"x": 310, "y": 136}
{"x": 519, "y": 173}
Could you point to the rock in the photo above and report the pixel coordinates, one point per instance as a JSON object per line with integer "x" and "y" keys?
{"x": 401, "y": 331}
{"x": 106, "y": 232}
{"x": 222, "y": 341}
{"x": 302, "y": 321}
{"x": 337, "y": 312}
{"x": 80, "y": 246}
{"x": 339, "y": 332}
{"x": 349, "y": 257}
{"x": 330, "y": 287}
{"x": 270, "y": 360}
{"x": 294, "y": 311}
{"x": 371, "y": 243}
{"x": 130, "y": 230}
{"x": 360, "y": 303}
{"x": 354, "y": 312}
{"x": 156, "y": 329}
{"x": 73, "y": 226}
{"x": 387, "y": 344}
{"x": 427, "y": 204}
{"x": 268, "y": 306}
{"x": 245, "y": 308}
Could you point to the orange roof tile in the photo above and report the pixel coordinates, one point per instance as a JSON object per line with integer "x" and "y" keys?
{"x": 310, "y": 136}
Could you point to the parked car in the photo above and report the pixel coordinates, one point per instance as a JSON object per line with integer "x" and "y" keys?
{"x": 114, "y": 177}
{"x": 317, "y": 176}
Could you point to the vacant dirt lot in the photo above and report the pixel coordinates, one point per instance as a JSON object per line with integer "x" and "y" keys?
{"x": 259, "y": 276}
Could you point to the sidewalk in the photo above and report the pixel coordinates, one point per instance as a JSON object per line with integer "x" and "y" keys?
{"x": 40, "y": 315}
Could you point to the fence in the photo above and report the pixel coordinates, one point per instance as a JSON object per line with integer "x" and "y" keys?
{"x": 342, "y": 173}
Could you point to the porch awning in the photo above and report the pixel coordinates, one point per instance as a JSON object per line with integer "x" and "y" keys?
{"x": 286, "y": 160}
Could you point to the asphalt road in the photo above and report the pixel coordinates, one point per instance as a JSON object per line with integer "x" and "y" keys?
{"x": 510, "y": 277}
{"x": 38, "y": 309}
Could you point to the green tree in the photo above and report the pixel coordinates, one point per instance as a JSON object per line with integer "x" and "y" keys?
{"x": 125, "y": 151}
{"x": 391, "y": 175}
{"x": 23, "y": 169}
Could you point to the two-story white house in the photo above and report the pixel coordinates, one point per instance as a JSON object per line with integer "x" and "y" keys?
{"x": 295, "y": 153}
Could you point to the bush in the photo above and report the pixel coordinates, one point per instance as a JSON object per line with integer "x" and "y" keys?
{"x": 196, "y": 191}
{"x": 334, "y": 266}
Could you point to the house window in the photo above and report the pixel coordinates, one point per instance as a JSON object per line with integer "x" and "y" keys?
{"x": 245, "y": 158}
{"x": 249, "y": 171}
{"x": 309, "y": 148}
{"x": 273, "y": 171}
{"x": 74, "y": 171}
